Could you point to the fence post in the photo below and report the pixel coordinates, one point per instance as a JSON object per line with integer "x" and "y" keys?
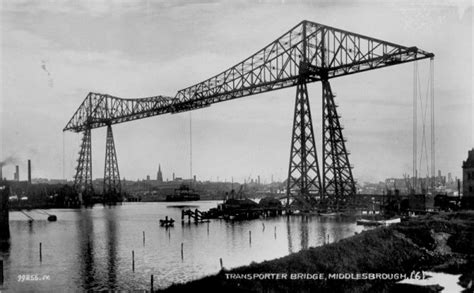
{"x": 133, "y": 260}
{"x": 1, "y": 271}
{"x": 151, "y": 281}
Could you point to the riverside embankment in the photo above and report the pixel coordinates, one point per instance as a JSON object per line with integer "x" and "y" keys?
{"x": 441, "y": 243}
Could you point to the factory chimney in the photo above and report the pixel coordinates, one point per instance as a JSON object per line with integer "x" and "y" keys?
{"x": 16, "y": 176}
{"x": 29, "y": 171}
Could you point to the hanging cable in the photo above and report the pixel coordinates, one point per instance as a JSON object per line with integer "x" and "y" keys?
{"x": 426, "y": 102}
{"x": 433, "y": 154}
{"x": 415, "y": 120}
{"x": 64, "y": 157}
{"x": 191, "y": 148}
{"x": 424, "y": 112}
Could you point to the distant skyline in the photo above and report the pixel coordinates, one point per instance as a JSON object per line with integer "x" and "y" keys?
{"x": 53, "y": 53}
{"x": 264, "y": 179}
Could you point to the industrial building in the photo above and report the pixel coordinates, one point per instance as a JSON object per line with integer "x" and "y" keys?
{"x": 468, "y": 174}
{"x": 468, "y": 181}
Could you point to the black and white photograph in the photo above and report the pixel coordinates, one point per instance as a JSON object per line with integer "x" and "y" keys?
{"x": 236, "y": 146}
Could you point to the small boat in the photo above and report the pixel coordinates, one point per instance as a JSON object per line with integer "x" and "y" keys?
{"x": 52, "y": 218}
{"x": 183, "y": 193}
{"x": 329, "y": 214}
{"x": 166, "y": 222}
{"x": 367, "y": 222}
{"x": 390, "y": 221}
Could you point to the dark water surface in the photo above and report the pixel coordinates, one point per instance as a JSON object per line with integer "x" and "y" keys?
{"x": 91, "y": 249}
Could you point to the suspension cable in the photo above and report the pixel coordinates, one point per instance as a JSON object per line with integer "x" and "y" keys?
{"x": 64, "y": 156}
{"x": 191, "y": 148}
{"x": 433, "y": 141}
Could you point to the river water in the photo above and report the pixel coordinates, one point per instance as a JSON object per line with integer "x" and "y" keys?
{"x": 91, "y": 249}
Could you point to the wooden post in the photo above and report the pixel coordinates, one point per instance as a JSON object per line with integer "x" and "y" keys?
{"x": 250, "y": 237}
{"x": 263, "y": 224}
{"x": 222, "y": 265}
{"x": 133, "y": 260}
{"x": 182, "y": 254}
{"x": 275, "y": 232}
{"x": 182, "y": 216}
{"x": 4, "y": 215}
{"x": 207, "y": 228}
{"x": 143, "y": 238}
{"x": 151, "y": 285}
{"x": 41, "y": 252}
{"x": 1, "y": 271}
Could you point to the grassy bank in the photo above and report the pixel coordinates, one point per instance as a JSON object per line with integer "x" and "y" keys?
{"x": 443, "y": 242}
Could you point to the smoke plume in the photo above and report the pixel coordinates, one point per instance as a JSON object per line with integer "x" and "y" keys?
{"x": 8, "y": 160}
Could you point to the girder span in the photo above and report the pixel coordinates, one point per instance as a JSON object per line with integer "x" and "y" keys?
{"x": 308, "y": 52}
{"x": 98, "y": 110}
{"x": 311, "y": 51}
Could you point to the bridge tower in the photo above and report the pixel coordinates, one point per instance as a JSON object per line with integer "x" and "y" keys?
{"x": 338, "y": 183}
{"x": 112, "y": 186}
{"x": 83, "y": 177}
{"x": 304, "y": 181}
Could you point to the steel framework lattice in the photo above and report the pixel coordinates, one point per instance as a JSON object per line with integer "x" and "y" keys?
{"x": 304, "y": 181}
{"x": 112, "y": 186}
{"x": 308, "y": 52}
{"x": 83, "y": 178}
{"x": 338, "y": 183}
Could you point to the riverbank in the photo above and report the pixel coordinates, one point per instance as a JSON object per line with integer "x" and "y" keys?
{"x": 440, "y": 243}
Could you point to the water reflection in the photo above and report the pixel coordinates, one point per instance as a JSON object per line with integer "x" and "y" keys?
{"x": 304, "y": 232}
{"x": 90, "y": 249}
{"x": 111, "y": 234}
{"x": 86, "y": 248}
{"x": 288, "y": 230}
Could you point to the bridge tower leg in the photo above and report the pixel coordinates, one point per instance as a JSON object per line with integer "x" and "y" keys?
{"x": 83, "y": 178}
{"x": 304, "y": 182}
{"x": 112, "y": 186}
{"x": 338, "y": 183}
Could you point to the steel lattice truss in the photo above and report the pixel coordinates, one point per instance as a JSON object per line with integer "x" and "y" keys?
{"x": 304, "y": 182}
{"x": 309, "y": 50}
{"x": 338, "y": 183}
{"x": 112, "y": 187}
{"x": 83, "y": 177}
{"x": 304, "y": 50}
{"x": 98, "y": 110}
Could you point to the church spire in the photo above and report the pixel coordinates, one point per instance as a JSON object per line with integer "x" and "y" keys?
{"x": 159, "y": 175}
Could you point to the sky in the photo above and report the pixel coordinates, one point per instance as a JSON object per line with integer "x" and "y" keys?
{"x": 55, "y": 52}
